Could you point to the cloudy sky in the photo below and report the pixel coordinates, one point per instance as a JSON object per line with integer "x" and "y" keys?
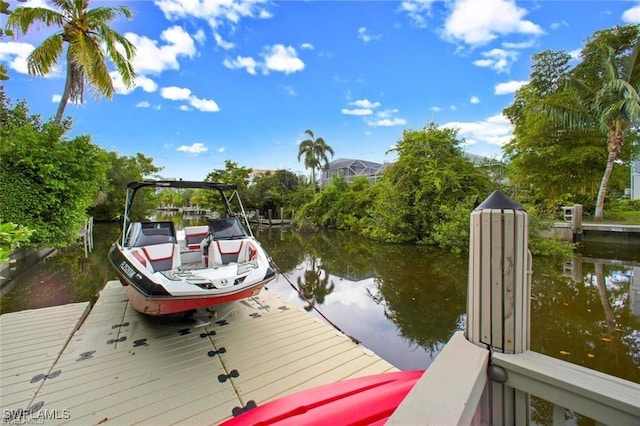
{"x": 242, "y": 80}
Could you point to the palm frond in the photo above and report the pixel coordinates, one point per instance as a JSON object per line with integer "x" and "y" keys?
{"x": 22, "y": 18}
{"x": 44, "y": 57}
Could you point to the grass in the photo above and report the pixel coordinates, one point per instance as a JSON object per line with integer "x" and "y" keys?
{"x": 624, "y": 217}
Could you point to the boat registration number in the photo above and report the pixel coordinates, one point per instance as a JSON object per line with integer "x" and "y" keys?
{"x": 127, "y": 269}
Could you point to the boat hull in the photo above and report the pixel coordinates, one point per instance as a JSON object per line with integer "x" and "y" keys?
{"x": 151, "y": 298}
{"x": 171, "y": 304}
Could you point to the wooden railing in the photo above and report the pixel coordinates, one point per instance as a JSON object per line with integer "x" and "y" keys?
{"x": 487, "y": 374}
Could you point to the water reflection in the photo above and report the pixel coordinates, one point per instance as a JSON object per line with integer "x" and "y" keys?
{"x": 404, "y": 302}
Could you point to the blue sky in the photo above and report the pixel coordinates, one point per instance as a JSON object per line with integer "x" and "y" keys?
{"x": 242, "y": 80}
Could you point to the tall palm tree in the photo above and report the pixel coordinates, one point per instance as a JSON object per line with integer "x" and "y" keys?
{"x": 315, "y": 154}
{"x": 88, "y": 37}
{"x": 614, "y": 106}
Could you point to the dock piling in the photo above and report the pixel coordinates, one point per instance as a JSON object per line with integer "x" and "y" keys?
{"x": 498, "y": 296}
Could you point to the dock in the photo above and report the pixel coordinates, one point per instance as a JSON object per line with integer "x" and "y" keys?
{"x": 109, "y": 364}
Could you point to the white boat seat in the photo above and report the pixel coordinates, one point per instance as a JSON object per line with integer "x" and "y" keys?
{"x": 150, "y": 233}
{"x": 194, "y": 236}
{"x": 159, "y": 257}
{"x": 223, "y": 252}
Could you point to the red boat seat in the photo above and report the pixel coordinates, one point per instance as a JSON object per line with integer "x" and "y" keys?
{"x": 194, "y": 236}
{"x": 223, "y": 252}
{"x": 160, "y": 257}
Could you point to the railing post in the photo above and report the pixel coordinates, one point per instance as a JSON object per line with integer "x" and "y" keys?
{"x": 498, "y": 295}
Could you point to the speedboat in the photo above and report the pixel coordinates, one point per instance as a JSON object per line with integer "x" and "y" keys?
{"x": 164, "y": 271}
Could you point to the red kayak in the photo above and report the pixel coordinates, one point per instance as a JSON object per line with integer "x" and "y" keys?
{"x": 362, "y": 401}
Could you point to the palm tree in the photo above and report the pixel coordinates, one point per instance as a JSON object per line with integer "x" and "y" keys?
{"x": 614, "y": 107}
{"x": 85, "y": 31}
{"x": 315, "y": 153}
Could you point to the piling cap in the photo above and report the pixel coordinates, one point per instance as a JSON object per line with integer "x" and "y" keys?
{"x": 497, "y": 200}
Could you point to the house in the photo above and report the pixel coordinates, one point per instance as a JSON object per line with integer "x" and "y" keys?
{"x": 350, "y": 169}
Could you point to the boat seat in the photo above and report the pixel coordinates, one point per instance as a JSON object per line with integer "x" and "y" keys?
{"x": 150, "y": 233}
{"x": 224, "y": 252}
{"x": 194, "y": 236}
{"x": 158, "y": 257}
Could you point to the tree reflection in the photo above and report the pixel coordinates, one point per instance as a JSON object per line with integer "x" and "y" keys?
{"x": 423, "y": 291}
{"x": 587, "y": 322}
{"x": 315, "y": 286}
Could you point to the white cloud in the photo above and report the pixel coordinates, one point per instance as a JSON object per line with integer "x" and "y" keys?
{"x": 183, "y": 94}
{"x": 143, "y": 104}
{"x": 497, "y": 59}
{"x": 356, "y": 111}
{"x": 248, "y": 63}
{"x": 474, "y": 100}
{"x": 365, "y": 103}
{"x": 205, "y": 105}
{"x": 307, "y": 46}
{"x": 367, "y": 37}
{"x": 632, "y": 15}
{"x": 417, "y": 10}
{"x": 495, "y": 130}
{"x": 175, "y": 93}
{"x": 387, "y": 122}
{"x": 555, "y": 25}
{"x": 508, "y": 87}
{"x": 275, "y": 58}
{"x": 15, "y": 55}
{"x": 200, "y": 37}
{"x": 195, "y": 148}
{"x": 281, "y": 58}
{"x": 435, "y": 109}
{"x": 145, "y": 83}
{"x": 215, "y": 12}
{"x": 386, "y": 119}
{"x": 221, "y": 150}
{"x": 153, "y": 59}
{"x": 363, "y": 107}
{"x": 290, "y": 91}
{"x": 478, "y": 22}
{"x": 226, "y": 45}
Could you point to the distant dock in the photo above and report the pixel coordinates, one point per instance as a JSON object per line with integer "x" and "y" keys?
{"x": 109, "y": 364}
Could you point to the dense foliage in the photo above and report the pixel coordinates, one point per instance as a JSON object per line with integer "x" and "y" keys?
{"x": 121, "y": 171}
{"x": 571, "y": 125}
{"x": 46, "y": 181}
{"x": 427, "y": 195}
{"x": 339, "y": 205}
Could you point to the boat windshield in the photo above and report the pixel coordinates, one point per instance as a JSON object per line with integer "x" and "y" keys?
{"x": 228, "y": 228}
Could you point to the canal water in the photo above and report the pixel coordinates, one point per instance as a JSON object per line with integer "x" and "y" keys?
{"x": 402, "y": 302}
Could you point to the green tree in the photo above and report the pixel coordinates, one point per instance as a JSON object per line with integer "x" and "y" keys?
{"x": 85, "y": 31}
{"x": 12, "y": 236}
{"x": 233, "y": 174}
{"x": 605, "y": 94}
{"x": 274, "y": 190}
{"x": 315, "y": 152}
{"x": 47, "y": 182}
{"x": 339, "y": 205}
{"x": 121, "y": 171}
{"x": 426, "y": 196}
{"x": 549, "y": 164}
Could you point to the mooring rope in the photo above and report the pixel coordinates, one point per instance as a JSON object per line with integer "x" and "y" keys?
{"x": 315, "y": 308}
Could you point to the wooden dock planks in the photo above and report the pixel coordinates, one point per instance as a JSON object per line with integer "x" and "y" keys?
{"x": 30, "y": 343}
{"x": 122, "y": 367}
